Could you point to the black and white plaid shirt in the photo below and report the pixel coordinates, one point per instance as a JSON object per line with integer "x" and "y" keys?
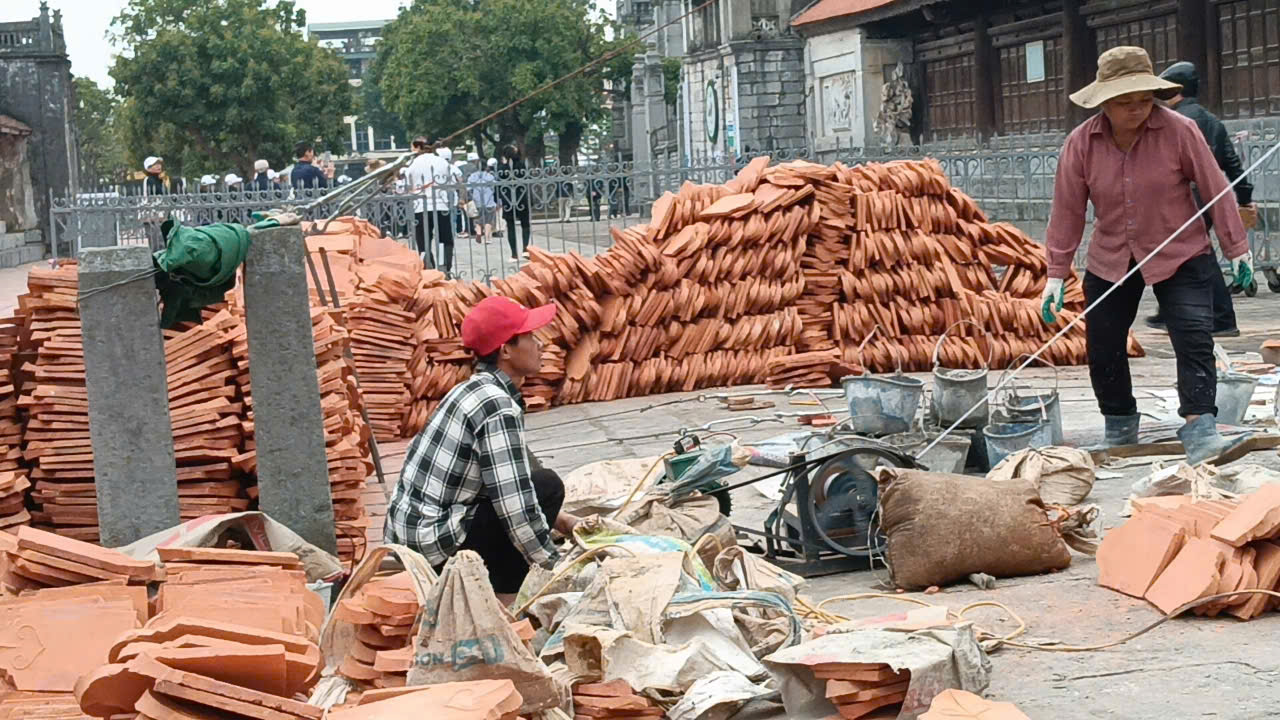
{"x": 472, "y": 449}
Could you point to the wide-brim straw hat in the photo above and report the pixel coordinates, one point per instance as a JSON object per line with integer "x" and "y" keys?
{"x": 1123, "y": 70}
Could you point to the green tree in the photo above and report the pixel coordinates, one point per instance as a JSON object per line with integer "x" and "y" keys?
{"x": 444, "y": 64}
{"x": 220, "y": 83}
{"x": 102, "y": 155}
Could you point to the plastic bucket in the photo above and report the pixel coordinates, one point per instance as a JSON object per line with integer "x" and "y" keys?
{"x": 1036, "y": 406}
{"x": 1007, "y": 438}
{"x": 955, "y": 392}
{"x": 1235, "y": 392}
{"x": 882, "y": 405}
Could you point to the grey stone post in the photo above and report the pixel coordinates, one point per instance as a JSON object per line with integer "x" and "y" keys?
{"x": 288, "y": 422}
{"x": 124, "y": 374}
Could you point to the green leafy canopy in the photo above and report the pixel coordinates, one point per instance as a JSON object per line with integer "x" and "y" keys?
{"x": 212, "y": 84}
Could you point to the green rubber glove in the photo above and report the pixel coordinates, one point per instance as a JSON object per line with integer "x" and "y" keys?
{"x": 1053, "y": 290}
{"x": 1242, "y": 267}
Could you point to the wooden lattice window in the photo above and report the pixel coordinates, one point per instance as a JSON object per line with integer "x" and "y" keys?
{"x": 1032, "y": 107}
{"x": 950, "y": 98}
{"x": 1249, "y": 32}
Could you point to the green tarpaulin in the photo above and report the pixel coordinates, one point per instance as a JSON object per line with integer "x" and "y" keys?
{"x": 198, "y": 267}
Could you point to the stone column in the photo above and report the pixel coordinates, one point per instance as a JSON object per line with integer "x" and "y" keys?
{"x": 293, "y": 472}
{"x": 124, "y": 374}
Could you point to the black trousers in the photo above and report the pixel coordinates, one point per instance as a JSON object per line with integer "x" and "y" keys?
{"x": 488, "y": 537}
{"x": 429, "y": 224}
{"x": 510, "y": 215}
{"x": 1186, "y": 304}
{"x": 1224, "y": 310}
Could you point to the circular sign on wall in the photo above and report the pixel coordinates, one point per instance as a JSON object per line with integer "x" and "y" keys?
{"x": 711, "y": 112}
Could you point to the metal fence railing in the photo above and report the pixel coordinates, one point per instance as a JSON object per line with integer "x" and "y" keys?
{"x": 564, "y": 209}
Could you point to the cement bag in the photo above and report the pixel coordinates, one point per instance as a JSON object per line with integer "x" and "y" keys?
{"x": 941, "y": 528}
{"x": 692, "y": 519}
{"x": 1064, "y": 476}
{"x": 466, "y": 634}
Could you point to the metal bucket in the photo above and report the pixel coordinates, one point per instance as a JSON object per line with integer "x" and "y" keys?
{"x": 948, "y": 456}
{"x": 880, "y": 405}
{"x": 955, "y": 392}
{"x": 1036, "y": 406}
{"x": 1235, "y": 392}
{"x": 1007, "y": 438}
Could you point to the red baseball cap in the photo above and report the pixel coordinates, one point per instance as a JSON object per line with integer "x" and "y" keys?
{"x": 495, "y": 320}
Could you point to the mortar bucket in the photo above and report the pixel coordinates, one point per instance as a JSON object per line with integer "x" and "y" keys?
{"x": 882, "y": 405}
{"x": 1235, "y": 392}
{"x": 1007, "y": 438}
{"x": 948, "y": 456}
{"x": 1036, "y": 406}
{"x": 955, "y": 392}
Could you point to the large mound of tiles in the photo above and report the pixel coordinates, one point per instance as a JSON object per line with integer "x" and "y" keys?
{"x": 789, "y": 274}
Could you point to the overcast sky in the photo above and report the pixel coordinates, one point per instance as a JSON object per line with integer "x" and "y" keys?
{"x": 85, "y": 22}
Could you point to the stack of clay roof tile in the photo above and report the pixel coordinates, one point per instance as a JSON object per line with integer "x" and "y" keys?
{"x": 383, "y": 612}
{"x": 614, "y": 699}
{"x": 35, "y": 559}
{"x": 346, "y": 435}
{"x": 13, "y": 476}
{"x": 1175, "y": 551}
{"x": 193, "y": 668}
{"x": 484, "y": 700}
{"x": 861, "y": 690}
{"x": 205, "y": 409}
{"x": 56, "y": 404}
{"x": 259, "y": 589}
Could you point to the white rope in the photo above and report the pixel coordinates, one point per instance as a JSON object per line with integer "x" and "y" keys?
{"x": 1009, "y": 377}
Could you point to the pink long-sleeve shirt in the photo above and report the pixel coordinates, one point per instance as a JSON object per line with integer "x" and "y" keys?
{"x": 1139, "y": 198}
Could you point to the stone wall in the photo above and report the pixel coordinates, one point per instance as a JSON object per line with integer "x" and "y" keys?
{"x": 846, "y": 71}
{"x": 760, "y": 95}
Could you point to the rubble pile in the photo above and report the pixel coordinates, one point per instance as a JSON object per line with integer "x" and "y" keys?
{"x": 1175, "y": 550}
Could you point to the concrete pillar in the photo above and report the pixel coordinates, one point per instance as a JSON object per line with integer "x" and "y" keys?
{"x": 124, "y": 373}
{"x": 1078, "y": 56}
{"x": 293, "y": 473}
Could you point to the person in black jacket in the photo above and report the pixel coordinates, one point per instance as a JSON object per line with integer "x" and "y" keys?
{"x": 1215, "y": 133}
{"x": 513, "y": 195}
{"x": 304, "y": 173}
{"x": 261, "y": 180}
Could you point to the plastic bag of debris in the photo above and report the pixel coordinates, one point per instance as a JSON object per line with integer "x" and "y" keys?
{"x": 694, "y": 520}
{"x": 602, "y": 487}
{"x": 1062, "y": 475}
{"x": 466, "y": 634}
{"x": 936, "y": 659}
{"x": 941, "y": 528}
{"x": 338, "y": 637}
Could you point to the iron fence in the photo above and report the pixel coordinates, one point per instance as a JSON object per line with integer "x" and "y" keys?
{"x": 564, "y": 209}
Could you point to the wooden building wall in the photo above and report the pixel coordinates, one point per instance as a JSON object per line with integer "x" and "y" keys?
{"x": 972, "y": 68}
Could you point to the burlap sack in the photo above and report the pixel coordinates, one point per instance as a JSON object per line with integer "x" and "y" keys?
{"x": 1062, "y": 475}
{"x": 942, "y": 527}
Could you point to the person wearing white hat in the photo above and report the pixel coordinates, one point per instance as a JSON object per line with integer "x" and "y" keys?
{"x": 232, "y": 181}
{"x": 262, "y": 176}
{"x": 1136, "y": 161}
{"x": 455, "y": 179}
{"x": 207, "y": 182}
{"x": 154, "y": 182}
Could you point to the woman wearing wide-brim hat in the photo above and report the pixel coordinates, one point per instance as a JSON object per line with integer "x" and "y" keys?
{"x": 1136, "y": 161}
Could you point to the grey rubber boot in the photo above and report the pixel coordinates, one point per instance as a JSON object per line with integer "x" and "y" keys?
{"x": 1121, "y": 430}
{"x": 1201, "y": 441}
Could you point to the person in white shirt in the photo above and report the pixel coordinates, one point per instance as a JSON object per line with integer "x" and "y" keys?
{"x": 429, "y": 175}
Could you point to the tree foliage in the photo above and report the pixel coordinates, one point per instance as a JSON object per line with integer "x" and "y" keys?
{"x": 101, "y": 150}
{"x": 444, "y": 64}
{"x": 217, "y": 84}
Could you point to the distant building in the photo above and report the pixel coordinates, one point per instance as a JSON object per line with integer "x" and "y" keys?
{"x": 38, "y": 155}
{"x": 357, "y": 44}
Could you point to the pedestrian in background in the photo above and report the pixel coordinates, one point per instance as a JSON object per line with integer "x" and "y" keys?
{"x": 429, "y": 175}
{"x": 261, "y": 179}
{"x": 1215, "y": 133}
{"x": 595, "y": 191}
{"x": 513, "y": 193}
{"x": 564, "y": 198}
{"x": 305, "y": 175}
{"x": 153, "y": 184}
{"x": 480, "y": 186}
